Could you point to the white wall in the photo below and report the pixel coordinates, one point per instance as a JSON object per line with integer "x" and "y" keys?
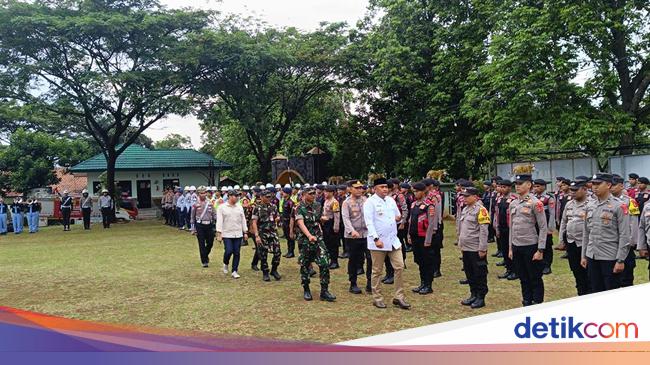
{"x": 185, "y": 177}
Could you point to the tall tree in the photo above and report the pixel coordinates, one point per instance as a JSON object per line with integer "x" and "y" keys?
{"x": 173, "y": 141}
{"x": 112, "y": 67}
{"x": 263, "y": 79}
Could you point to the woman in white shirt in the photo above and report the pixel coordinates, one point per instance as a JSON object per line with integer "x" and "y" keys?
{"x": 231, "y": 228}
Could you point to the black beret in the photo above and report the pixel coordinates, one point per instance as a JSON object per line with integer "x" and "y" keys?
{"x": 427, "y": 182}
{"x": 470, "y": 191}
{"x": 287, "y": 190}
{"x": 419, "y": 186}
{"x": 644, "y": 180}
{"x": 380, "y": 181}
{"x": 466, "y": 184}
{"x": 487, "y": 182}
{"x": 270, "y": 191}
{"x": 319, "y": 186}
{"x": 539, "y": 182}
{"x": 330, "y": 188}
{"x": 633, "y": 176}
{"x": 504, "y": 182}
{"x": 405, "y": 186}
{"x": 342, "y": 187}
{"x": 435, "y": 183}
{"x": 496, "y": 178}
{"x": 523, "y": 177}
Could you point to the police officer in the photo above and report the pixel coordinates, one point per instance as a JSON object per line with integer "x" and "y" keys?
{"x": 107, "y": 207}
{"x": 66, "y": 209}
{"x": 617, "y": 190}
{"x": 203, "y": 216}
{"x": 180, "y": 207}
{"x": 33, "y": 210}
{"x": 286, "y": 210}
{"x": 355, "y": 237}
{"x": 632, "y": 189}
{"x": 264, "y": 221}
{"x": 562, "y": 197}
{"x": 330, "y": 221}
{"x": 341, "y": 195}
{"x": 434, "y": 196}
{"x": 644, "y": 233}
{"x": 571, "y": 230}
{"x": 3, "y": 216}
{"x": 473, "y": 242}
{"x": 422, "y": 227}
{"x": 502, "y": 226}
{"x": 539, "y": 189}
{"x": 528, "y": 235}
{"x": 487, "y": 199}
{"x": 606, "y": 237}
{"x": 311, "y": 245}
{"x": 86, "y": 208}
{"x": 642, "y": 194}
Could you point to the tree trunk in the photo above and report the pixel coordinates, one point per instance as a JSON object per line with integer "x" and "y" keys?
{"x": 110, "y": 177}
{"x": 265, "y": 170}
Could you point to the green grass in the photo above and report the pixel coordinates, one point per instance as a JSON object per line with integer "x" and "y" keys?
{"x": 144, "y": 273}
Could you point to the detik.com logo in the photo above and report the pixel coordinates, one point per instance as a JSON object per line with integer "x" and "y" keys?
{"x": 568, "y": 327}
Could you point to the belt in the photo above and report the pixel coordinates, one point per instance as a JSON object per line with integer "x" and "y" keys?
{"x": 204, "y": 222}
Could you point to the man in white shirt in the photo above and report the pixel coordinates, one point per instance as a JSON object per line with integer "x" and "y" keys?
{"x": 380, "y": 213}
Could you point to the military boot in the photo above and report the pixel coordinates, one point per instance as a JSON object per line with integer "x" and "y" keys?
{"x": 275, "y": 274}
{"x": 307, "y": 294}
{"x": 326, "y": 295}
{"x": 469, "y": 300}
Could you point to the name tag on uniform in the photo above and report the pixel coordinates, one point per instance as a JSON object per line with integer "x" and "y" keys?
{"x": 379, "y": 209}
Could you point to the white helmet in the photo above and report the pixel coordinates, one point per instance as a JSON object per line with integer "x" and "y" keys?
{"x": 186, "y": 188}
{"x": 269, "y": 185}
{"x": 307, "y": 185}
{"x": 84, "y": 191}
{"x": 278, "y": 186}
{"x": 213, "y": 188}
{"x": 192, "y": 188}
{"x": 236, "y": 187}
{"x": 287, "y": 186}
{"x": 324, "y": 183}
{"x": 297, "y": 186}
{"x": 224, "y": 188}
{"x": 262, "y": 187}
{"x": 229, "y": 187}
{"x": 246, "y": 188}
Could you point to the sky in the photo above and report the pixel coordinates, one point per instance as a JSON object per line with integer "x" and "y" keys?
{"x": 302, "y": 14}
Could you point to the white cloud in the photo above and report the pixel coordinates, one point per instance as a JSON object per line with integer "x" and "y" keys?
{"x": 302, "y": 14}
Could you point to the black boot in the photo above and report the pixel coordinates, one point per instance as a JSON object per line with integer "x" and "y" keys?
{"x": 469, "y": 300}
{"x": 254, "y": 268}
{"x": 326, "y": 295}
{"x": 437, "y": 274}
{"x": 426, "y": 289}
{"x": 265, "y": 276}
{"x": 368, "y": 288}
{"x": 478, "y": 303}
{"x": 275, "y": 274}
{"x": 307, "y": 294}
{"x": 354, "y": 289}
{"x": 417, "y": 289}
{"x": 389, "y": 280}
{"x": 504, "y": 275}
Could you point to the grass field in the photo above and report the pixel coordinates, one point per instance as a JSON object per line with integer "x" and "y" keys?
{"x": 145, "y": 273}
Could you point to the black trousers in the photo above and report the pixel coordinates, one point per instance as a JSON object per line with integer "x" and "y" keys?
{"x": 627, "y": 278}
{"x": 85, "y": 212}
{"x": 332, "y": 243}
{"x": 291, "y": 244}
{"x": 256, "y": 258}
{"x": 601, "y": 275}
{"x": 66, "y": 217}
{"x": 476, "y": 270}
{"x": 424, "y": 257}
{"x": 436, "y": 244}
{"x": 357, "y": 248}
{"x": 548, "y": 251}
{"x": 503, "y": 244}
{"x": 205, "y": 236}
{"x": 491, "y": 232}
{"x": 530, "y": 273}
{"x": 574, "y": 254}
{"x": 106, "y": 217}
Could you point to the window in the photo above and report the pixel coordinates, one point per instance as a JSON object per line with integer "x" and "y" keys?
{"x": 170, "y": 183}
{"x": 97, "y": 187}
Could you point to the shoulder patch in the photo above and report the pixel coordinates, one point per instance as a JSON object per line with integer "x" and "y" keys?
{"x": 539, "y": 206}
{"x": 335, "y": 206}
{"x": 483, "y": 216}
{"x": 551, "y": 203}
{"x": 624, "y": 208}
{"x": 633, "y": 208}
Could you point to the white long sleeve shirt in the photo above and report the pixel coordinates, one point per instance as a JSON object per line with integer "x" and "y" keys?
{"x": 380, "y": 216}
{"x": 231, "y": 221}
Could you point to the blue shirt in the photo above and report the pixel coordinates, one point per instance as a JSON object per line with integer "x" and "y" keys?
{"x": 380, "y": 216}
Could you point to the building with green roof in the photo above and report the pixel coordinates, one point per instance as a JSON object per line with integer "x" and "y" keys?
{"x": 145, "y": 173}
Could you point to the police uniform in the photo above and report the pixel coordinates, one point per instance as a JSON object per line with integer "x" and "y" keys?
{"x": 437, "y": 199}
{"x": 86, "y": 203}
{"x": 501, "y": 224}
{"x": 66, "y": 210}
{"x": 627, "y": 279}
{"x": 571, "y": 235}
{"x": 549, "y": 211}
{"x": 33, "y": 210}
{"x": 4, "y": 209}
{"x": 265, "y": 217}
{"x": 473, "y": 239}
{"x": 352, "y": 212}
{"x": 528, "y": 233}
{"x": 606, "y": 239}
{"x": 644, "y": 232}
{"x": 642, "y": 196}
{"x": 203, "y": 216}
{"x": 423, "y": 224}
{"x": 330, "y": 220}
{"x": 107, "y": 207}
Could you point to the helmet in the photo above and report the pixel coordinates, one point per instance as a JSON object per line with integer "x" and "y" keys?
{"x": 229, "y": 187}
{"x": 202, "y": 189}
{"x": 84, "y": 191}
{"x": 297, "y": 186}
{"x": 278, "y": 186}
{"x": 246, "y": 188}
{"x": 262, "y": 187}
{"x": 307, "y": 185}
{"x": 269, "y": 185}
{"x": 236, "y": 187}
{"x": 287, "y": 185}
{"x": 103, "y": 191}
{"x": 186, "y": 188}
{"x": 192, "y": 188}
{"x": 324, "y": 183}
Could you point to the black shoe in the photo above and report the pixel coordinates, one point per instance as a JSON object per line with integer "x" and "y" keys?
{"x": 285, "y": 255}
{"x": 327, "y": 296}
{"x": 417, "y": 289}
{"x": 499, "y": 254}
{"x": 478, "y": 303}
{"x": 312, "y": 272}
{"x": 389, "y": 280}
{"x": 205, "y": 264}
{"x": 307, "y": 294}
{"x": 504, "y": 275}
{"x": 426, "y": 290}
{"x": 463, "y": 282}
{"x": 354, "y": 289}
{"x": 547, "y": 270}
{"x": 469, "y": 300}
{"x": 368, "y": 289}
{"x": 401, "y": 303}
{"x": 266, "y": 277}
{"x": 254, "y": 268}
{"x": 501, "y": 263}
{"x": 345, "y": 255}
{"x": 290, "y": 255}
{"x": 437, "y": 274}
{"x": 526, "y": 303}
{"x": 334, "y": 266}
{"x": 513, "y": 276}
{"x": 496, "y": 254}
{"x": 360, "y": 271}
{"x": 276, "y": 275}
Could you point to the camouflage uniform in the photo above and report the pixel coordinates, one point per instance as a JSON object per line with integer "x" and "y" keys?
{"x": 266, "y": 216}
{"x": 312, "y": 251}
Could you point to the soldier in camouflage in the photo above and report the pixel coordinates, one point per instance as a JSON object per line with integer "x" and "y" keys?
{"x": 264, "y": 220}
{"x": 311, "y": 245}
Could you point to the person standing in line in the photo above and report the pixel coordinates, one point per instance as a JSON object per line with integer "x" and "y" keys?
{"x": 107, "y": 207}
{"x": 330, "y": 223}
{"x": 264, "y": 221}
{"x": 571, "y": 230}
{"x": 381, "y": 214}
{"x": 33, "y": 211}
{"x": 4, "y": 209}
{"x": 232, "y": 229}
{"x": 422, "y": 228}
{"x": 202, "y": 218}
{"x": 86, "y": 208}
{"x": 66, "y": 209}
{"x": 355, "y": 237}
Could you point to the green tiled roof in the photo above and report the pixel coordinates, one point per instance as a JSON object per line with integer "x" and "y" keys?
{"x": 136, "y": 157}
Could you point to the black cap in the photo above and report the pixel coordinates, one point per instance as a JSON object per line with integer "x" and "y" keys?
{"x": 342, "y": 187}
{"x": 487, "y": 182}
{"x": 496, "y": 178}
{"x": 523, "y": 177}
{"x": 427, "y": 182}
{"x": 582, "y": 178}
{"x": 287, "y": 190}
{"x": 257, "y": 190}
{"x": 539, "y": 182}
{"x": 470, "y": 191}
{"x": 308, "y": 188}
{"x": 460, "y": 182}
{"x": 616, "y": 179}
{"x": 319, "y": 186}
{"x": 559, "y": 178}
{"x": 575, "y": 185}
{"x": 503, "y": 182}
{"x": 270, "y": 191}
{"x": 435, "y": 182}
{"x": 644, "y": 180}
{"x": 405, "y": 186}
{"x": 466, "y": 184}
{"x": 330, "y": 188}
{"x": 419, "y": 186}
{"x": 563, "y": 180}
{"x": 633, "y": 176}
{"x": 393, "y": 181}
{"x": 380, "y": 181}
{"x": 602, "y": 177}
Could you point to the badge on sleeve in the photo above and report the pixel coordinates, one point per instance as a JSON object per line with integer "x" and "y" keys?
{"x": 624, "y": 207}
{"x": 540, "y": 206}
{"x": 483, "y": 216}
{"x": 634, "y": 207}
{"x": 335, "y": 206}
